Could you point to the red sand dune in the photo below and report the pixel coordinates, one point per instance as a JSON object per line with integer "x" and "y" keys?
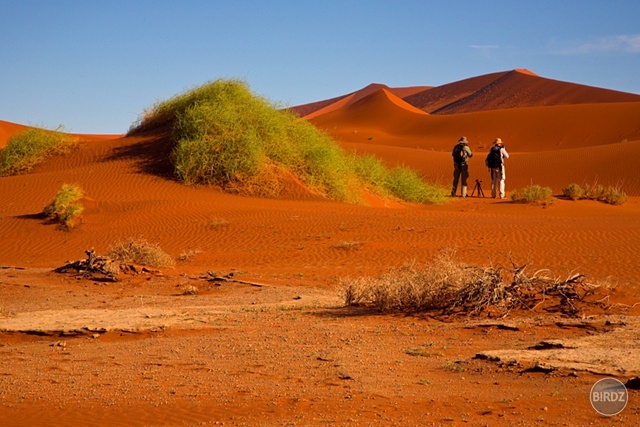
{"x": 7, "y": 129}
{"x": 566, "y": 135}
{"x": 313, "y": 109}
{"x": 510, "y": 89}
{"x": 378, "y": 121}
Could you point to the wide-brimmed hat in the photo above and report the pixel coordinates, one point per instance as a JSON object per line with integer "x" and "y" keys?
{"x": 463, "y": 139}
{"x": 498, "y": 141}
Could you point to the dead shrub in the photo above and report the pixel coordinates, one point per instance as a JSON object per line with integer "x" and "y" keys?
{"x": 450, "y": 287}
{"x": 139, "y": 251}
{"x": 189, "y": 290}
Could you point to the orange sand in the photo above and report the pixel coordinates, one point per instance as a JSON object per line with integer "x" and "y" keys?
{"x": 319, "y": 365}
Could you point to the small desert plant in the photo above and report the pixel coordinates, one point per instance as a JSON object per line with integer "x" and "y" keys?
{"x": 217, "y": 223}
{"x": 425, "y": 350}
{"x": 614, "y": 196}
{"x": 189, "y": 254}
{"x": 189, "y": 290}
{"x": 139, "y": 251}
{"x": 533, "y": 194}
{"x": 348, "y": 246}
{"x": 453, "y": 367}
{"x": 611, "y": 195}
{"x": 29, "y": 148}
{"x": 574, "y": 192}
{"x": 65, "y": 207}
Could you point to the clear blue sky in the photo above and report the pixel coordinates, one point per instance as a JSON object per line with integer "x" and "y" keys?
{"x": 94, "y": 66}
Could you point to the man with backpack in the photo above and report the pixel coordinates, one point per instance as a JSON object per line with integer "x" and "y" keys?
{"x": 495, "y": 163}
{"x": 461, "y": 153}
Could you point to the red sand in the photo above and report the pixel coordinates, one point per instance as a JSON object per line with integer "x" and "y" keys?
{"x": 252, "y": 358}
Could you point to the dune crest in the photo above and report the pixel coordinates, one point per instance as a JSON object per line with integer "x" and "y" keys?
{"x": 525, "y": 71}
{"x": 7, "y": 130}
{"x": 315, "y": 109}
{"x": 510, "y": 89}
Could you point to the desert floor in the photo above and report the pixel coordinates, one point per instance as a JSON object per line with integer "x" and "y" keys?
{"x": 139, "y": 352}
{"x": 281, "y": 349}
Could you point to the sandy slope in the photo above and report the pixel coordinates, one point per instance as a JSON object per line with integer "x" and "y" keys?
{"x": 7, "y": 129}
{"x": 301, "y": 358}
{"x": 510, "y": 89}
{"x": 127, "y": 196}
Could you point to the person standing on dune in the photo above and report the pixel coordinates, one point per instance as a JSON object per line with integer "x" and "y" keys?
{"x": 495, "y": 163}
{"x": 461, "y": 153}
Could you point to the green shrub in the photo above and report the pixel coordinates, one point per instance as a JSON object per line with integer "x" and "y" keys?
{"x": 400, "y": 182}
{"x": 141, "y": 252}
{"x": 614, "y": 196}
{"x": 574, "y": 192}
{"x": 66, "y": 207}
{"x": 29, "y": 148}
{"x": 533, "y": 194}
{"x": 611, "y": 195}
{"x": 406, "y": 184}
{"x": 371, "y": 170}
{"x": 224, "y": 135}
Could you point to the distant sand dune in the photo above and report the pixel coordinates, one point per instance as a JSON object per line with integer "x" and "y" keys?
{"x": 523, "y": 130}
{"x": 512, "y": 89}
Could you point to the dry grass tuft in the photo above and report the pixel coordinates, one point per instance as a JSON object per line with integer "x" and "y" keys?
{"x": 189, "y": 290}
{"x": 450, "y": 287}
{"x": 189, "y": 255}
{"x": 140, "y": 252}
{"x": 348, "y": 246}
{"x": 217, "y": 223}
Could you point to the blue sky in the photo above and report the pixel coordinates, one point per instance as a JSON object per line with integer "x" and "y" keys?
{"x": 94, "y": 66}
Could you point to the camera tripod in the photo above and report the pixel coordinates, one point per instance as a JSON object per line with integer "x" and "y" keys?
{"x": 478, "y": 188}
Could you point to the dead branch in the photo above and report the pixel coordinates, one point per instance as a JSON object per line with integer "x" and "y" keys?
{"x": 98, "y": 267}
{"x": 229, "y": 278}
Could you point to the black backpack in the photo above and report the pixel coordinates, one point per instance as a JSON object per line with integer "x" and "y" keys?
{"x": 494, "y": 159}
{"x": 459, "y": 156}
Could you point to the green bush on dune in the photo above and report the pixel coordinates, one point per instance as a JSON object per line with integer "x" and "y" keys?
{"x": 401, "y": 182}
{"x": 534, "y": 194}
{"x": 66, "y": 207}
{"x": 29, "y": 148}
{"x": 611, "y": 195}
{"x": 225, "y": 135}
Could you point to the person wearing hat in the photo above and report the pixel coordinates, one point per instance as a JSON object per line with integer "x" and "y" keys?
{"x": 461, "y": 153}
{"x": 495, "y": 163}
